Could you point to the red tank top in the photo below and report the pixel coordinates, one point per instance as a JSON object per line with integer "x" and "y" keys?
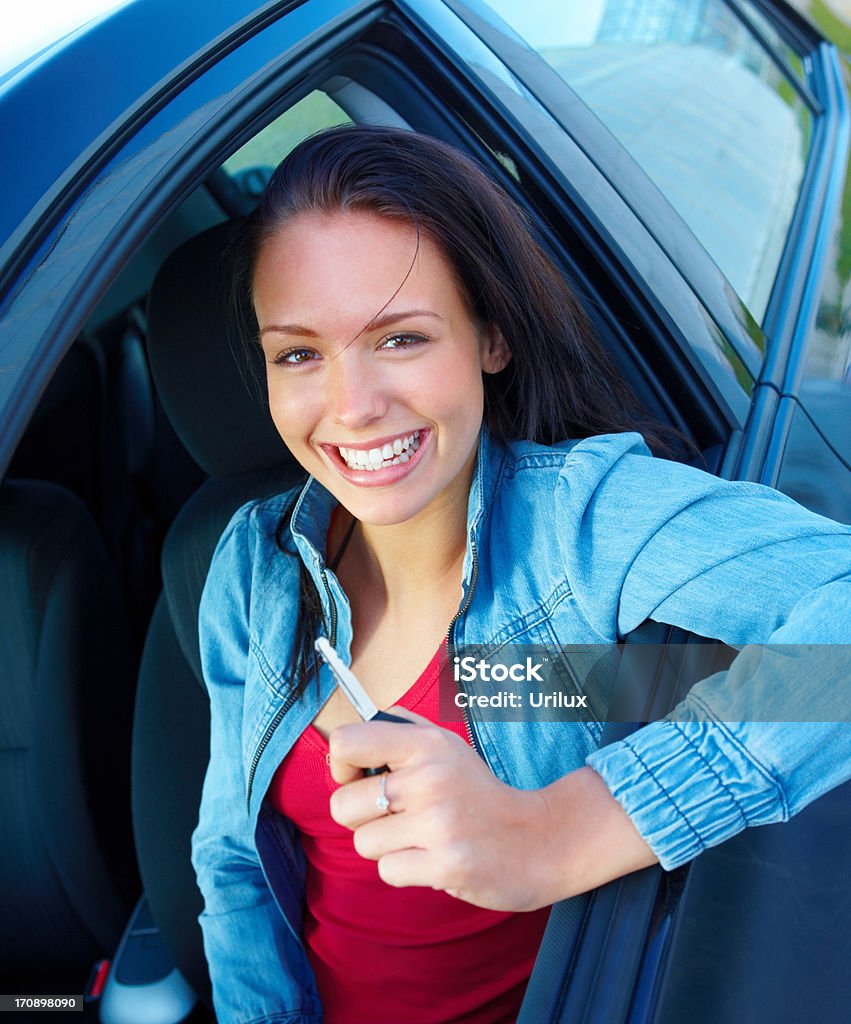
{"x": 383, "y": 955}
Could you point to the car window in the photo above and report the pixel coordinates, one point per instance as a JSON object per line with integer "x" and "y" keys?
{"x": 268, "y": 147}
{"x": 712, "y": 116}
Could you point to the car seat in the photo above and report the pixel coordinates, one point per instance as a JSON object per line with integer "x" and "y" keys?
{"x": 67, "y": 872}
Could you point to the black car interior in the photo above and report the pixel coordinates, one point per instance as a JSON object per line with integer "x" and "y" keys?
{"x": 152, "y": 432}
{"x": 66, "y": 859}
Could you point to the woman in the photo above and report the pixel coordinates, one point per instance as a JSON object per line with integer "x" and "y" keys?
{"x": 472, "y": 477}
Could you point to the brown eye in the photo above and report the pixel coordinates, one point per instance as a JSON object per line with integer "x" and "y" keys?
{"x": 294, "y": 357}
{"x": 402, "y": 341}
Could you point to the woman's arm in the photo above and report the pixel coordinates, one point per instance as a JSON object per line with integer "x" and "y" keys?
{"x": 649, "y": 539}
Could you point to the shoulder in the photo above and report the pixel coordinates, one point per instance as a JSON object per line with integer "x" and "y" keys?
{"x": 594, "y": 456}
{"x": 256, "y": 524}
{"x": 609, "y": 492}
{"x": 572, "y": 470}
{"x": 616, "y": 473}
{"x": 252, "y": 543}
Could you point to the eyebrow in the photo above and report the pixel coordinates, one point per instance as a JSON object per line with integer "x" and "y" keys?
{"x": 377, "y": 324}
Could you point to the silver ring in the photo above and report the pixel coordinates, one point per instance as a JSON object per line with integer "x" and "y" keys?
{"x": 381, "y": 801}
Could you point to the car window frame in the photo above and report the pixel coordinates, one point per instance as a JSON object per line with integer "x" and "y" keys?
{"x": 576, "y": 174}
{"x": 456, "y": 111}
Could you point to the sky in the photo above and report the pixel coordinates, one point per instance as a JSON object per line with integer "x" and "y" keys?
{"x": 30, "y": 25}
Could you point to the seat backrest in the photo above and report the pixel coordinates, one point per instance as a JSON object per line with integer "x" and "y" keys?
{"x": 210, "y": 380}
{"x": 67, "y": 874}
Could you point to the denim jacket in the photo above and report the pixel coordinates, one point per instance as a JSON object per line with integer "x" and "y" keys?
{"x": 577, "y": 543}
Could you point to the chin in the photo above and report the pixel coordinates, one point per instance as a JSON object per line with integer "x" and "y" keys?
{"x": 378, "y": 513}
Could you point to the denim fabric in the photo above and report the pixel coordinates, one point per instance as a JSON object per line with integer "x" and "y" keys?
{"x": 573, "y": 544}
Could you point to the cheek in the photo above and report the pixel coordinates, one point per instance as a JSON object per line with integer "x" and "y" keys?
{"x": 455, "y": 380}
{"x": 460, "y": 392}
{"x": 292, "y": 413}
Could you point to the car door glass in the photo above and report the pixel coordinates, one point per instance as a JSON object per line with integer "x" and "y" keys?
{"x": 703, "y": 107}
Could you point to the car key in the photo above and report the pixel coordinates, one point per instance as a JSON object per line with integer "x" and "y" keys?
{"x": 353, "y": 689}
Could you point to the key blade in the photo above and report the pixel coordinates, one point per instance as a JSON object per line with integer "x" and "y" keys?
{"x": 346, "y": 680}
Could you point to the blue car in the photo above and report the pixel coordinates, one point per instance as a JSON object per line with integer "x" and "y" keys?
{"x": 686, "y": 164}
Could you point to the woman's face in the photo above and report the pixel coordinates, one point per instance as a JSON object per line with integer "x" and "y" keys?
{"x": 373, "y": 362}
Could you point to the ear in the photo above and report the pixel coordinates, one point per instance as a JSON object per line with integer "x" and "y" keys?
{"x": 495, "y": 353}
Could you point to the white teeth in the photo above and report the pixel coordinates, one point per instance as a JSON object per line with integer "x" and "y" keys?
{"x": 390, "y": 454}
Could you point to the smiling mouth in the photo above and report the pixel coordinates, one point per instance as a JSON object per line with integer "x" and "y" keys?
{"x": 400, "y": 450}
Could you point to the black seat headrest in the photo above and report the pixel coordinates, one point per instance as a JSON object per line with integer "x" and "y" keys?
{"x": 211, "y": 380}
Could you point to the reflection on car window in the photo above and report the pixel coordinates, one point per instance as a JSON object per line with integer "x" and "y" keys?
{"x": 261, "y": 154}
{"x": 793, "y": 60}
{"x": 699, "y": 103}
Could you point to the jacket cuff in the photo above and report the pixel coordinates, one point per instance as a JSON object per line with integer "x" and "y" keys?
{"x": 687, "y": 786}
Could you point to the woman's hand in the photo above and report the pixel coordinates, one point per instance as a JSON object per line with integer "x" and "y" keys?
{"x": 452, "y": 825}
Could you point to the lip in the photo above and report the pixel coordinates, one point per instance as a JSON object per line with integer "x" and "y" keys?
{"x": 378, "y": 477}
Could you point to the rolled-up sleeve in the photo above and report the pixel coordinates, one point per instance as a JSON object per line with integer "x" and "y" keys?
{"x": 646, "y": 539}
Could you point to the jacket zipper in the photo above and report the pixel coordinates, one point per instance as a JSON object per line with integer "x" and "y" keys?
{"x": 276, "y": 721}
{"x": 273, "y": 725}
{"x": 468, "y": 724}
{"x": 332, "y": 639}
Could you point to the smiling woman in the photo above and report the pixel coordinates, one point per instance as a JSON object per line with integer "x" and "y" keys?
{"x": 472, "y": 477}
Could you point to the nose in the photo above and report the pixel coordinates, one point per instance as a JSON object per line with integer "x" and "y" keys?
{"x": 356, "y": 393}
